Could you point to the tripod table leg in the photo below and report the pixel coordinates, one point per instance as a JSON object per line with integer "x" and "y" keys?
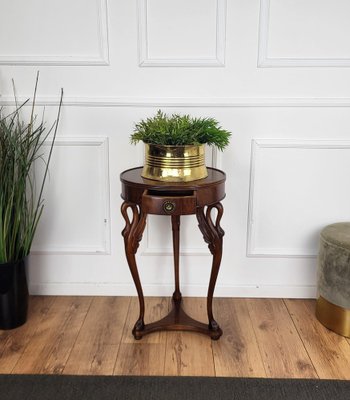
{"x": 175, "y": 223}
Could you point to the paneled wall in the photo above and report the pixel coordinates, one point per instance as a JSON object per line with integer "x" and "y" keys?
{"x": 274, "y": 72}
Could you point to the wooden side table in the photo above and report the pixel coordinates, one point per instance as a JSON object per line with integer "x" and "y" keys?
{"x": 199, "y": 197}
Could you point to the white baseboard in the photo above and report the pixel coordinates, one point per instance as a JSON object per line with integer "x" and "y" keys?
{"x": 115, "y": 289}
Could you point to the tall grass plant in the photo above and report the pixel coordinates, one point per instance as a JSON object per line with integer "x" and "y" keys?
{"x": 21, "y": 195}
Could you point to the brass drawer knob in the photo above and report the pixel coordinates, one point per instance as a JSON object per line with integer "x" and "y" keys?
{"x": 169, "y": 207}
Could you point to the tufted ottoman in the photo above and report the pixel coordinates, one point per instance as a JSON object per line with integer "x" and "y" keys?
{"x": 333, "y": 303}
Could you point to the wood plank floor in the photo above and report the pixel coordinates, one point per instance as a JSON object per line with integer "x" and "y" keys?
{"x": 92, "y": 335}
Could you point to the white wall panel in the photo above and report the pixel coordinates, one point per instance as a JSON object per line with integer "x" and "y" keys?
{"x": 182, "y": 32}
{"x": 298, "y": 33}
{"x": 269, "y": 275}
{"x": 158, "y": 239}
{"x": 297, "y": 187}
{"x": 297, "y": 118}
{"x": 64, "y": 32}
{"x": 76, "y": 214}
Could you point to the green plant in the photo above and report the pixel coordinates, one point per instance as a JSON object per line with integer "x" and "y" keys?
{"x": 21, "y": 196}
{"x": 180, "y": 130}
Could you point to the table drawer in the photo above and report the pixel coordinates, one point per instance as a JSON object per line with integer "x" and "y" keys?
{"x": 169, "y": 202}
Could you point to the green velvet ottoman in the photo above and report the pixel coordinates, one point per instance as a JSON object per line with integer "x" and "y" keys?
{"x": 333, "y": 303}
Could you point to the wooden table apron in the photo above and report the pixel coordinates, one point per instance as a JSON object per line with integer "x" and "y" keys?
{"x": 144, "y": 196}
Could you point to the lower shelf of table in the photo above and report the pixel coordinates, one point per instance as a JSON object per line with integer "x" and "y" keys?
{"x": 177, "y": 320}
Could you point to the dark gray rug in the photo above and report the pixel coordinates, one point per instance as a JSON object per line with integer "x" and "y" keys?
{"x": 52, "y": 387}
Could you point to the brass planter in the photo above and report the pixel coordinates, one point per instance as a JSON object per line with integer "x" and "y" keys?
{"x": 174, "y": 163}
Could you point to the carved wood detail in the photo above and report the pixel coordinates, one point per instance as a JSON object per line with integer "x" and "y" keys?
{"x": 143, "y": 196}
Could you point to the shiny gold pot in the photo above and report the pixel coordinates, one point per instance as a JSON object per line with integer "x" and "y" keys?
{"x": 174, "y": 163}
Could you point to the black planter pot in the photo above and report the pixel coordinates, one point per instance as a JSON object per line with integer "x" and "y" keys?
{"x": 13, "y": 294}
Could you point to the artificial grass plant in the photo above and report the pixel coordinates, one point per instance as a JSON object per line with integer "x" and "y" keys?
{"x": 179, "y": 130}
{"x": 21, "y": 195}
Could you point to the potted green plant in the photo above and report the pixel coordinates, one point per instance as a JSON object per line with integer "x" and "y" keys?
{"x": 21, "y": 204}
{"x": 175, "y": 145}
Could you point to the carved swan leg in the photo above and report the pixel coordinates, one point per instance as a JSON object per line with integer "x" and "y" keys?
{"x": 132, "y": 234}
{"x": 212, "y": 234}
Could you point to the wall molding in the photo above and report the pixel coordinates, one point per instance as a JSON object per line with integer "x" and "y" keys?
{"x": 258, "y": 144}
{"x": 217, "y": 61}
{"x": 128, "y": 289}
{"x": 60, "y": 60}
{"x": 264, "y": 61}
{"x": 99, "y": 249}
{"x": 215, "y": 102}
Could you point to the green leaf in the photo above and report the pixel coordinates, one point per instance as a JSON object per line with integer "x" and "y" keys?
{"x": 180, "y": 130}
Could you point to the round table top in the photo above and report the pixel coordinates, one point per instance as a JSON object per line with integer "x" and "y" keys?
{"x": 133, "y": 177}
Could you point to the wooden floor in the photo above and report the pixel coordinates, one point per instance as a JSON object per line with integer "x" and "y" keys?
{"x": 92, "y": 335}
